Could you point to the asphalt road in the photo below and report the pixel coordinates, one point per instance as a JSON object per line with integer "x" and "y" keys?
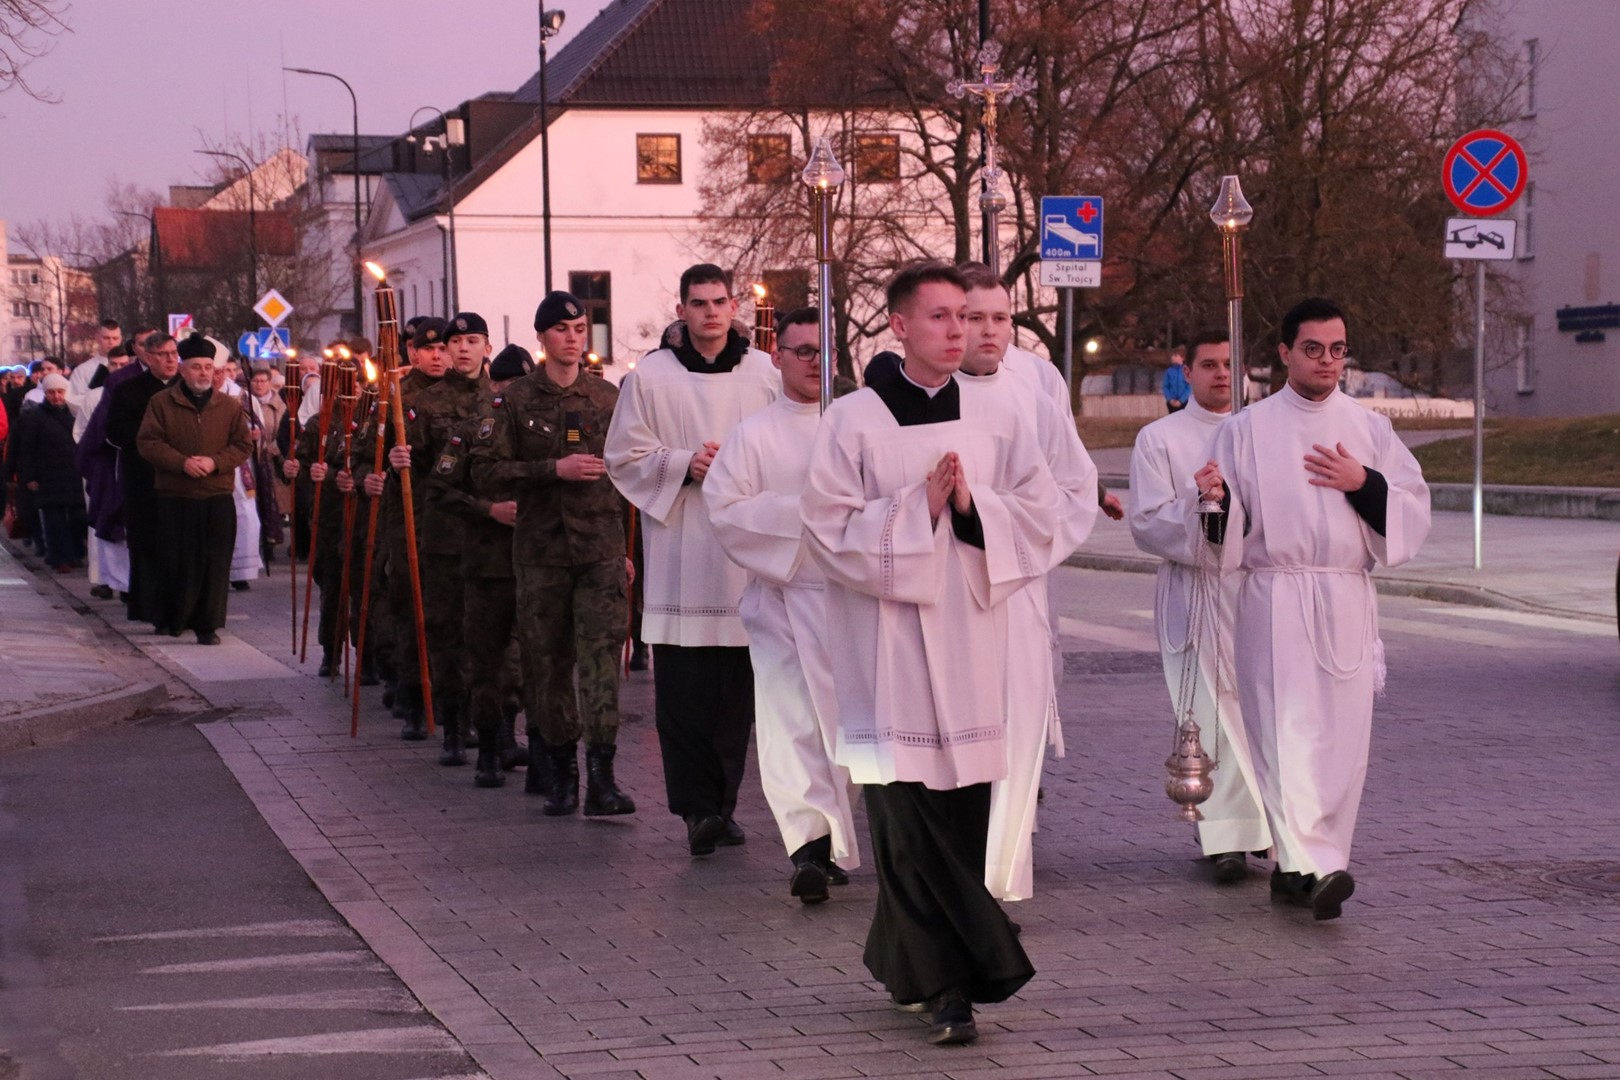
{"x": 152, "y": 926}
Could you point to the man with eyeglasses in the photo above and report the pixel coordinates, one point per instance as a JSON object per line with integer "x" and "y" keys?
{"x": 1316, "y": 490}
{"x": 752, "y": 492}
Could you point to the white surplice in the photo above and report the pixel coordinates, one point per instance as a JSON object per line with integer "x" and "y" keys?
{"x": 752, "y": 493}
{"x": 1164, "y": 521}
{"x": 1032, "y": 713}
{"x": 917, "y": 615}
{"x": 246, "y": 560}
{"x": 1309, "y": 659}
{"x": 664, "y": 416}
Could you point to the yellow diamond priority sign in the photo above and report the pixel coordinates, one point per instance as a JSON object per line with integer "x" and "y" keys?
{"x": 273, "y": 307}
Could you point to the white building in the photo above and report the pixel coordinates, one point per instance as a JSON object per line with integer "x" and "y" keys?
{"x": 1562, "y": 358}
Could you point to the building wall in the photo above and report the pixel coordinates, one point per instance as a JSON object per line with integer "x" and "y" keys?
{"x": 1569, "y": 223}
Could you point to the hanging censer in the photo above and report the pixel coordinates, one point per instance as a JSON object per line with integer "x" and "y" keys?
{"x": 1191, "y": 778}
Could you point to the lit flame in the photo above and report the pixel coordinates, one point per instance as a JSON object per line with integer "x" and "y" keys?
{"x": 759, "y": 291}
{"x": 371, "y": 370}
{"x": 292, "y": 354}
{"x": 376, "y": 271}
{"x": 343, "y": 352}
{"x": 328, "y": 353}
{"x": 593, "y": 358}
{"x": 632, "y": 365}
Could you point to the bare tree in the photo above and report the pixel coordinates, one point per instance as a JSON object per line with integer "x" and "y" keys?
{"x": 27, "y": 28}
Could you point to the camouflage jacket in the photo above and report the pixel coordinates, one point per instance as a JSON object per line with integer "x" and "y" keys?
{"x": 536, "y": 424}
{"x": 486, "y": 544}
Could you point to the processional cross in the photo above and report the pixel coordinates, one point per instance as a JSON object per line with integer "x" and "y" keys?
{"x": 991, "y": 91}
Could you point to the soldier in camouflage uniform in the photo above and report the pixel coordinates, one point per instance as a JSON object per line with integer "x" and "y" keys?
{"x": 331, "y": 469}
{"x": 428, "y": 363}
{"x": 569, "y": 553}
{"x": 439, "y": 410}
{"x": 490, "y": 597}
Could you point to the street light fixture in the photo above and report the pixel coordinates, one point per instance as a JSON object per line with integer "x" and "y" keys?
{"x": 824, "y": 176}
{"x": 551, "y": 23}
{"x": 454, "y": 135}
{"x": 253, "y": 222}
{"x": 1231, "y": 215}
{"x": 354, "y": 165}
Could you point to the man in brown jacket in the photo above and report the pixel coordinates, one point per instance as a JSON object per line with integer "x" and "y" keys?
{"x": 195, "y": 439}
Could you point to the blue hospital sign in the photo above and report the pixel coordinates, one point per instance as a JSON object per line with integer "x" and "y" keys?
{"x": 1072, "y": 227}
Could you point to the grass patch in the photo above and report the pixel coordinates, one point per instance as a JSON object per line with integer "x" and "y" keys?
{"x": 1583, "y": 452}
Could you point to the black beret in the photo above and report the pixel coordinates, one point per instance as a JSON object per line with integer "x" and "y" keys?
{"x": 195, "y": 346}
{"x": 884, "y": 366}
{"x": 555, "y": 308}
{"x": 429, "y": 331}
{"x": 467, "y": 322}
{"x": 512, "y": 362}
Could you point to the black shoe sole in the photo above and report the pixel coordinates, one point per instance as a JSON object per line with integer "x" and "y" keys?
{"x": 1328, "y": 898}
{"x": 809, "y": 884}
{"x": 606, "y": 811}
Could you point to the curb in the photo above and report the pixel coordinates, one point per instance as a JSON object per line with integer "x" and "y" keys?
{"x": 1445, "y": 592}
{"x": 58, "y": 723}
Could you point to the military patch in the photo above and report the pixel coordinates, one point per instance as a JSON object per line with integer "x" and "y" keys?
{"x": 486, "y": 427}
{"x": 446, "y": 465}
{"x": 498, "y": 400}
{"x": 455, "y": 440}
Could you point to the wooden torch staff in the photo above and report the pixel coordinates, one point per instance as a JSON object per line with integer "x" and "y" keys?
{"x": 380, "y": 391}
{"x": 348, "y": 401}
{"x": 328, "y": 398}
{"x": 292, "y": 394}
{"x": 406, "y": 504}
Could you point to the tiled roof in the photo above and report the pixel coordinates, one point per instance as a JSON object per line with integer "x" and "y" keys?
{"x": 214, "y": 239}
{"x": 660, "y": 53}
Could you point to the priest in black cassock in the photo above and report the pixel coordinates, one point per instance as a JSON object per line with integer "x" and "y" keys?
{"x": 195, "y": 438}
{"x": 928, "y": 504}
{"x": 126, "y": 397}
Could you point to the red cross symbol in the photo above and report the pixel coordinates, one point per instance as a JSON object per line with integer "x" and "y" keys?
{"x": 1087, "y": 212}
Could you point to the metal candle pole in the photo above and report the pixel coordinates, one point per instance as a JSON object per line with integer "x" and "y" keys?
{"x": 824, "y": 176}
{"x": 992, "y": 200}
{"x": 1231, "y": 215}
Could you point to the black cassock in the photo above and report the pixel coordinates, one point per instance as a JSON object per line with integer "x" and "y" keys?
{"x": 141, "y": 520}
{"x": 197, "y": 538}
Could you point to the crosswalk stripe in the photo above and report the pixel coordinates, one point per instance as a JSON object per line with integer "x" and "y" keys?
{"x": 391, "y": 1001}
{"x": 404, "y": 1040}
{"x": 1526, "y": 618}
{"x": 287, "y": 928}
{"x": 344, "y": 960}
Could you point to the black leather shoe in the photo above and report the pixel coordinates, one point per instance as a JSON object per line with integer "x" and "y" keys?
{"x": 1288, "y": 887}
{"x": 837, "y": 875}
{"x": 487, "y": 773}
{"x": 101, "y": 592}
{"x": 809, "y": 882}
{"x": 207, "y": 637}
{"x": 703, "y": 831}
{"x": 1230, "y": 867}
{"x": 240, "y": 586}
{"x": 908, "y": 1006}
{"x": 952, "y": 1020}
{"x": 732, "y": 835}
{"x": 1330, "y": 893}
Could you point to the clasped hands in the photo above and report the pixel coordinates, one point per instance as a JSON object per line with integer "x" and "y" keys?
{"x": 948, "y": 483}
{"x": 1329, "y": 467}
{"x": 198, "y": 466}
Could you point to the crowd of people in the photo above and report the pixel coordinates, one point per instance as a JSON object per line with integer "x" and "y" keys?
{"x": 863, "y": 590}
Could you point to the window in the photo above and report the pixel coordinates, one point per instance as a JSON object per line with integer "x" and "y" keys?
{"x": 877, "y": 158}
{"x": 1524, "y": 360}
{"x": 1527, "y": 223}
{"x": 770, "y": 159}
{"x": 594, "y": 289}
{"x": 1532, "y": 60}
{"x": 788, "y": 289}
{"x": 658, "y": 159}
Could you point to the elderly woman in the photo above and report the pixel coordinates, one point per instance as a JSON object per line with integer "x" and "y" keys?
{"x": 45, "y": 468}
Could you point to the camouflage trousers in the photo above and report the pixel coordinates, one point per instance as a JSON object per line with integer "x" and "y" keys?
{"x": 489, "y": 617}
{"x": 442, "y": 607}
{"x": 572, "y": 621}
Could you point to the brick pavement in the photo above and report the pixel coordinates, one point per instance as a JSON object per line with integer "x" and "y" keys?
{"x": 569, "y": 947}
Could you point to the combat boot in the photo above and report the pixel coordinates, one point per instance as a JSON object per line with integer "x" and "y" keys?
{"x": 487, "y": 772}
{"x": 325, "y": 671}
{"x": 513, "y": 756}
{"x": 564, "y": 797}
{"x": 538, "y": 780}
{"x": 410, "y": 699}
{"x": 469, "y": 732}
{"x": 454, "y": 752}
{"x": 602, "y": 796}
{"x": 368, "y": 673}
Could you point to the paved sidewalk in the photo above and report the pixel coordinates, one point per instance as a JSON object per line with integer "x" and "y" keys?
{"x": 1558, "y": 565}
{"x": 61, "y": 672}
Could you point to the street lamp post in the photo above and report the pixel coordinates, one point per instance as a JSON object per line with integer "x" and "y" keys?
{"x": 551, "y": 23}
{"x": 155, "y": 259}
{"x": 1231, "y": 215}
{"x": 253, "y": 223}
{"x": 453, "y": 136}
{"x": 823, "y": 176}
{"x": 354, "y": 166}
